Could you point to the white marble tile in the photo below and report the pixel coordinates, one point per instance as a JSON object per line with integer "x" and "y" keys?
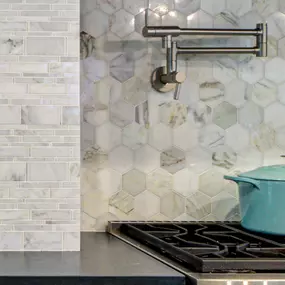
{"x": 185, "y": 137}
{"x": 226, "y": 20}
{"x": 225, "y": 70}
{"x": 248, "y": 159}
{"x": 146, "y": 159}
{"x": 213, "y": 7}
{"x": 224, "y": 206}
{"x": 235, "y": 92}
{"x": 51, "y": 215}
{"x": 94, "y": 203}
{"x": 11, "y": 241}
{"x": 122, "y": 67}
{"x": 109, "y": 6}
{"x": 14, "y": 152}
{"x": 281, "y": 93}
{"x": 134, "y": 136}
{"x": 121, "y": 113}
{"x": 135, "y": 90}
{"x": 121, "y": 159}
{"x": 71, "y": 241}
{"x": 174, "y": 18}
{"x": 131, "y": 178}
{"x": 198, "y": 205}
{"x": 212, "y": 92}
{"x": 262, "y": 93}
{"x": 95, "y": 115}
{"x": 211, "y": 182}
{"x": 224, "y": 158}
{"x": 95, "y": 23}
{"x": 12, "y": 88}
{"x": 87, "y": 6}
{"x": 198, "y": 160}
{"x": 123, "y": 202}
{"x": 274, "y": 115}
{"x": 41, "y": 115}
{"x": 249, "y": 20}
{"x": 29, "y": 67}
{"x": 46, "y": 26}
{"x": 8, "y": 26}
{"x": 147, "y": 204}
{"x": 237, "y": 137}
{"x": 280, "y": 137}
{"x": 160, "y": 137}
{"x": 225, "y": 115}
{"x": 45, "y": 46}
{"x": 109, "y": 181}
{"x": 172, "y": 160}
{"x": 275, "y": 70}
{"x": 212, "y": 137}
{"x": 187, "y": 7}
{"x": 159, "y": 182}
{"x": 199, "y": 19}
{"x": 47, "y": 88}
{"x": 266, "y": 7}
{"x": 134, "y": 7}
{"x": 250, "y": 115}
{"x": 70, "y": 116}
{"x": 252, "y": 71}
{"x": 173, "y": 114}
{"x": 12, "y": 216}
{"x": 263, "y": 138}
{"x": 10, "y": 115}
{"x": 40, "y": 241}
{"x": 161, "y": 7}
{"x": 276, "y": 22}
{"x": 172, "y": 205}
{"x": 122, "y": 23}
{"x": 72, "y": 46}
{"x": 30, "y": 193}
{"x": 47, "y": 171}
{"x": 11, "y": 46}
{"x": 93, "y": 69}
{"x": 199, "y": 114}
{"x": 273, "y": 156}
{"x": 108, "y": 136}
{"x": 185, "y": 182}
{"x": 13, "y": 171}
{"x": 240, "y": 7}
{"x": 64, "y": 68}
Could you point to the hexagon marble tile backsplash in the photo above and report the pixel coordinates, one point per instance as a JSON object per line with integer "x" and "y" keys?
{"x": 148, "y": 157}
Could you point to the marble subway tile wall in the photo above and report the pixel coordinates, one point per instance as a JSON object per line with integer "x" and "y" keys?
{"x": 39, "y": 125}
{"x": 148, "y": 157}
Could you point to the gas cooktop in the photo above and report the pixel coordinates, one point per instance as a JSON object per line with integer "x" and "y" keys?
{"x": 209, "y": 246}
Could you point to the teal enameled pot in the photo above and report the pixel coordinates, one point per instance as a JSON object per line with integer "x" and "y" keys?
{"x": 262, "y": 199}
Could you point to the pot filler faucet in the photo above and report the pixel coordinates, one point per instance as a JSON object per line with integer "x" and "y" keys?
{"x": 167, "y": 78}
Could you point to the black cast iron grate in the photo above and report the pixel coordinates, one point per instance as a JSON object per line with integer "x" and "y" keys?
{"x": 211, "y": 247}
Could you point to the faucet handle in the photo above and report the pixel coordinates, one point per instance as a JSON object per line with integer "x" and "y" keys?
{"x": 173, "y": 77}
{"x": 180, "y": 77}
{"x": 177, "y": 91}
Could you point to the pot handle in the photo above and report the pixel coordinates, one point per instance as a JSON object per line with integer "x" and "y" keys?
{"x": 238, "y": 179}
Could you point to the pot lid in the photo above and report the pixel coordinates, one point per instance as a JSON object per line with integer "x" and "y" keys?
{"x": 272, "y": 172}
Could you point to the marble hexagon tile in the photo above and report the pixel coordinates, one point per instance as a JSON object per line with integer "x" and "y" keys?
{"x": 167, "y": 158}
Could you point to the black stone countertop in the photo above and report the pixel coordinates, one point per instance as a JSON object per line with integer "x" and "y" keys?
{"x": 103, "y": 260}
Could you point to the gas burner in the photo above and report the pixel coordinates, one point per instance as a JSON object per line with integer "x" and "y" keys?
{"x": 210, "y": 247}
